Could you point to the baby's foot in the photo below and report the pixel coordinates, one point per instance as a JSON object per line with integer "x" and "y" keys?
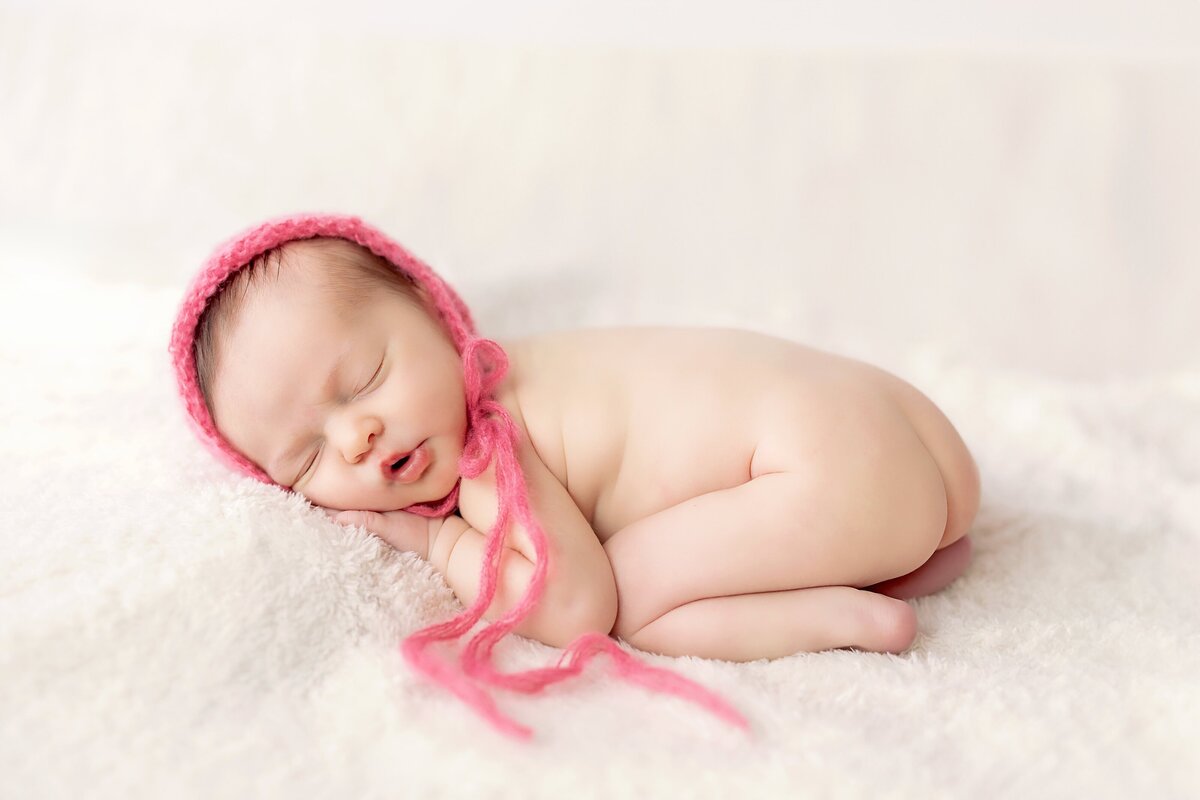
{"x": 935, "y": 574}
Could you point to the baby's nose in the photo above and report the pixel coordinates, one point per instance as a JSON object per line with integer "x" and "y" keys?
{"x": 362, "y": 447}
{"x": 356, "y": 438}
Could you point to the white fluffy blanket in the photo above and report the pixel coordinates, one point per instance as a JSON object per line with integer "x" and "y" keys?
{"x": 167, "y": 629}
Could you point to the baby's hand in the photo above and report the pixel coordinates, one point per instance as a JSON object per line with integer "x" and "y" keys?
{"x": 402, "y": 530}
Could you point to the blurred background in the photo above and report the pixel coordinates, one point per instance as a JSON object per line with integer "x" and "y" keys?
{"x": 1018, "y": 183}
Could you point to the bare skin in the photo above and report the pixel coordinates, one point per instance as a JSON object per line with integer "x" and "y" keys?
{"x": 752, "y": 497}
{"x": 748, "y": 489}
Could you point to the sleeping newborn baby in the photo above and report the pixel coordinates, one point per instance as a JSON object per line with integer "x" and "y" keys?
{"x": 704, "y": 492}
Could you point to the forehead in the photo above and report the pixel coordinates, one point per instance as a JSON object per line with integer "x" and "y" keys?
{"x": 281, "y": 312}
{"x": 275, "y": 355}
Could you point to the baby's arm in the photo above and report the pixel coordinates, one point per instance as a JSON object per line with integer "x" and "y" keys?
{"x": 458, "y": 554}
{"x": 579, "y": 594}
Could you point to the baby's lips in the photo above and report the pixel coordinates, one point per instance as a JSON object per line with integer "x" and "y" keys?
{"x": 385, "y": 466}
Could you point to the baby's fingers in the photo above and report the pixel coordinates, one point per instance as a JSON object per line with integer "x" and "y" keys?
{"x": 401, "y": 530}
{"x": 371, "y": 520}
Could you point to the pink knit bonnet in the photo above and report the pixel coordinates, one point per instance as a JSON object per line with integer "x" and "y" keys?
{"x": 491, "y": 435}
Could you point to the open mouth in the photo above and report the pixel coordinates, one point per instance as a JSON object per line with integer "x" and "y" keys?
{"x": 406, "y": 467}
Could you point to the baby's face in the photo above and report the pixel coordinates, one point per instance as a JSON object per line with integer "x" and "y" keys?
{"x": 325, "y": 402}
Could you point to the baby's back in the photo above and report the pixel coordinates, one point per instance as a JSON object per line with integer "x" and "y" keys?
{"x": 635, "y": 420}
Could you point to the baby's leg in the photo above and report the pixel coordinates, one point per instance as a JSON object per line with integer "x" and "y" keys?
{"x": 777, "y": 532}
{"x": 747, "y": 627}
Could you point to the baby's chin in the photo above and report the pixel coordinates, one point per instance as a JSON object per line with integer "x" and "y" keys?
{"x": 438, "y": 482}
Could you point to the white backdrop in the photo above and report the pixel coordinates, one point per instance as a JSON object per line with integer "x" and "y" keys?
{"x": 1000, "y": 207}
{"x": 1021, "y": 183}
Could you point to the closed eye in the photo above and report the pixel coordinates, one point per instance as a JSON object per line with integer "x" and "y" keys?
{"x": 367, "y": 388}
{"x": 371, "y": 383}
{"x": 307, "y": 467}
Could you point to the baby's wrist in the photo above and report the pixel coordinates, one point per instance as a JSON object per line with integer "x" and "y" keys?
{"x": 432, "y": 526}
{"x": 443, "y": 534}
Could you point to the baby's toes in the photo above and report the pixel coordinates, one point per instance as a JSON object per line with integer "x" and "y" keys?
{"x": 884, "y": 624}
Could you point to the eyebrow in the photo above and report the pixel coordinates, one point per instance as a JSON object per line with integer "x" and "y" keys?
{"x": 300, "y": 443}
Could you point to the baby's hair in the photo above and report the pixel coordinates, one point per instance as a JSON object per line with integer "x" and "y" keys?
{"x": 350, "y": 273}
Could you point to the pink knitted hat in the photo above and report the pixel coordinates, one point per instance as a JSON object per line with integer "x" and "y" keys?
{"x": 491, "y": 434}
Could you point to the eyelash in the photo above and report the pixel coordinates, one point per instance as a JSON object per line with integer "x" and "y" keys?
{"x": 316, "y": 455}
{"x": 307, "y": 466}
{"x": 378, "y": 370}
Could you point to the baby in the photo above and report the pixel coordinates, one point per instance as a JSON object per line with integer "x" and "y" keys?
{"x": 704, "y": 492}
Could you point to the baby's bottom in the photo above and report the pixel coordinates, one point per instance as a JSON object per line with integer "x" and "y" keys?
{"x": 728, "y": 599}
{"x": 747, "y": 627}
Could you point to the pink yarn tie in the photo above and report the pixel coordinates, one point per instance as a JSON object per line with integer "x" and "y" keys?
{"x": 492, "y": 433}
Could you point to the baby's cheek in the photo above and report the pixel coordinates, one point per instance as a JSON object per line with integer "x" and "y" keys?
{"x": 320, "y": 496}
